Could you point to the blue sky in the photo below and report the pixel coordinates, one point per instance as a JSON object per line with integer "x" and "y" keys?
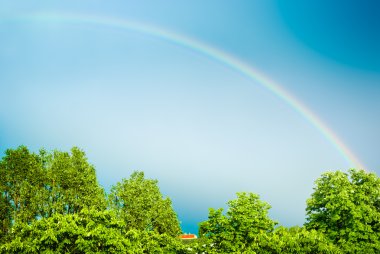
{"x": 135, "y": 101}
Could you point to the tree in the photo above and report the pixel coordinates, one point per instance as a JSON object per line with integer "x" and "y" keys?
{"x": 346, "y": 208}
{"x": 5, "y": 217}
{"x": 21, "y": 177}
{"x": 40, "y": 185}
{"x": 89, "y": 231}
{"x": 246, "y": 219}
{"x": 139, "y": 202}
{"x": 51, "y": 202}
{"x": 293, "y": 240}
{"x": 70, "y": 183}
{"x": 296, "y": 240}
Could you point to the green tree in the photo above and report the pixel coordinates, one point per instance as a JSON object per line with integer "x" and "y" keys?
{"x": 70, "y": 183}
{"x": 282, "y": 240}
{"x": 89, "y": 231}
{"x": 152, "y": 242}
{"x": 246, "y": 220}
{"x": 5, "y": 217}
{"x": 346, "y": 208}
{"x": 39, "y": 185}
{"x": 139, "y": 202}
{"x": 21, "y": 177}
{"x": 296, "y": 240}
{"x": 51, "y": 202}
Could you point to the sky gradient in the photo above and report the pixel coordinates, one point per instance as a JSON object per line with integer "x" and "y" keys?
{"x": 174, "y": 101}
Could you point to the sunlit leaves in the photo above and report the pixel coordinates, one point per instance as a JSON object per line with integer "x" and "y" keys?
{"x": 89, "y": 231}
{"x": 51, "y": 202}
{"x": 21, "y": 177}
{"x": 246, "y": 218}
{"x": 71, "y": 184}
{"x": 346, "y": 208}
{"x": 139, "y": 202}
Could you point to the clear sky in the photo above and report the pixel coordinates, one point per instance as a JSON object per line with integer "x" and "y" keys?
{"x": 74, "y": 73}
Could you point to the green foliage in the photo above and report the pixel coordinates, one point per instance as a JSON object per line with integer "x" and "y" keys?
{"x": 5, "y": 217}
{"x": 70, "y": 184}
{"x": 39, "y": 185}
{"x": 246, "y": 219}
{"x": 21, "y": 177}
{"x": 346, "y": 208}
{"x": 296, "y": 240}
{"x": 281, "y": 240}
{"x": 246, "y": 228}
{"x": 153, "y": 242}
{"x": 89, "y": 231}
{"x": 51, "y": 202}
{"x": 139, "y": 202}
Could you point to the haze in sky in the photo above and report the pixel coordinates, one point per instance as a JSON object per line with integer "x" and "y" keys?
{"x": 175, "y": 89}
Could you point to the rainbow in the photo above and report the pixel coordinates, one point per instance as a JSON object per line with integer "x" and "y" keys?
{"x": 212, "y": 53}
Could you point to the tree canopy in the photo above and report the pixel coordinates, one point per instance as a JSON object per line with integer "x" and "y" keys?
{"x": 139, "y": 202}
{"x": 51, "y": 202}
{"x": 246, "y": 218}
{"x": 89, "y": 231}
{"x": 21, "y": 177}
{"x": 346, "y": 208}
{"x": 40, "y": 185}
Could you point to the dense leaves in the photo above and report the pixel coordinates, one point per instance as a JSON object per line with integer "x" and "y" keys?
{"x": 346, "y": 208}
{"x": 296, "y": 240}
{"x": 51, "y": 202}
{"x": 70, "y": 184}
{"x": 281, "y": 240}
{"x": 89, "y": 231}
{"x": 86, "y": 232}
{"x": 246, "y": 228}
{"x": 5, "y": 216}
{"x": 21, "y": 177}
{"x": 40, "y": 185}
{"x": 246, "y": 219}
{"x": 139, "y": 202}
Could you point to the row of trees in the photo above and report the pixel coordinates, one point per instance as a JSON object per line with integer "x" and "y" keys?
{"x": 51, "y": 202}
{"x": 343, "y": 216}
